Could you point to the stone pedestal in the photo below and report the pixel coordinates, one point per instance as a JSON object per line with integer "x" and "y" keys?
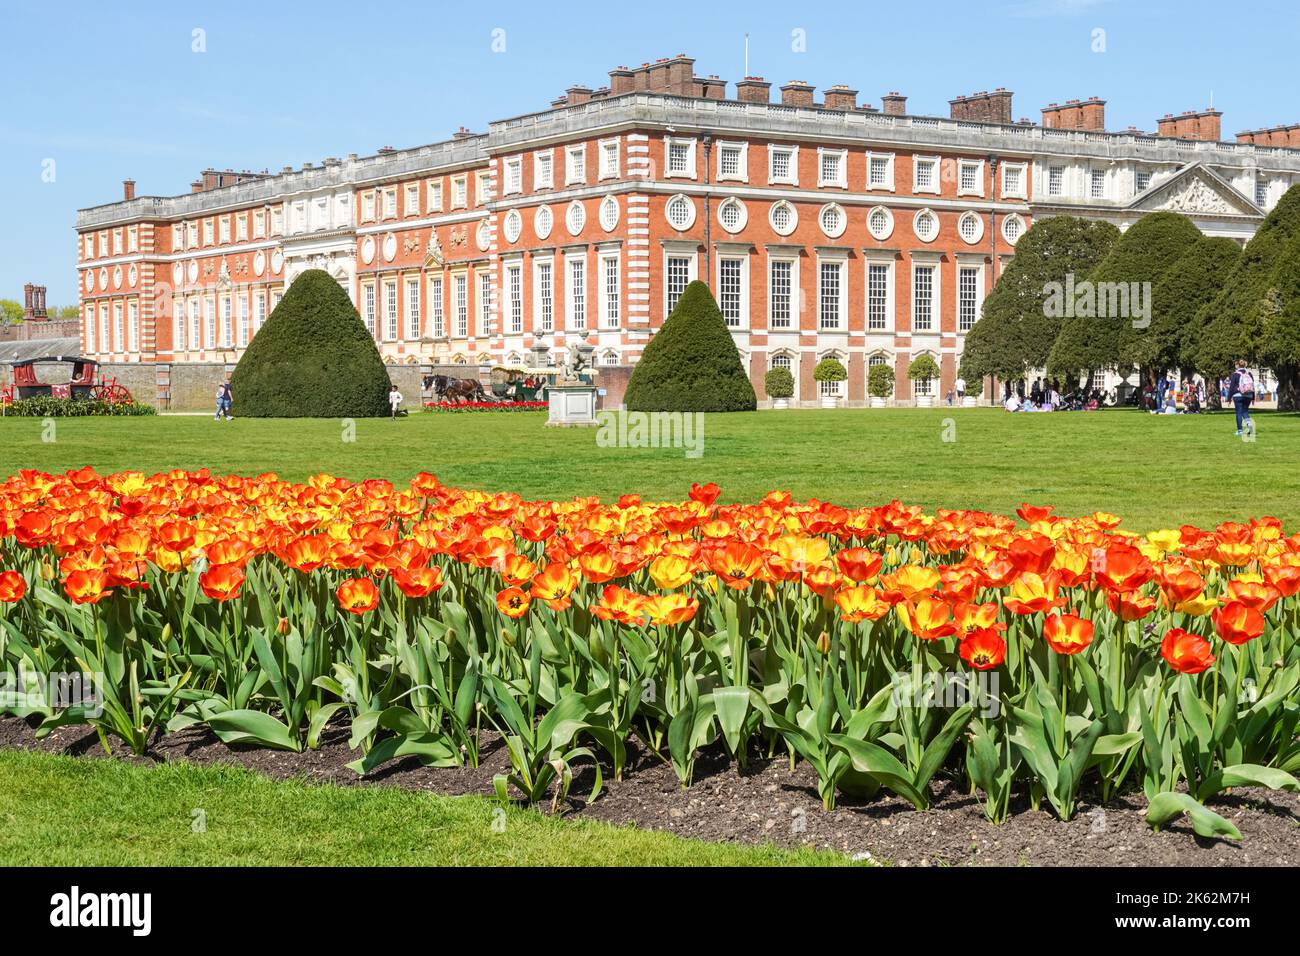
{"x": 572, "y": 404}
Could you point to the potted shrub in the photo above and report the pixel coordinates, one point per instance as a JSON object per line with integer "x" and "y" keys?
{"x": 923, "y": 367}
{"x": 880, "y": 384}
{"x": 830, "y": 370}
{"x": 779, "y": 385}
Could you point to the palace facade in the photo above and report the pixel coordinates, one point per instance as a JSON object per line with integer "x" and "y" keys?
{"x": 824, "y": 228}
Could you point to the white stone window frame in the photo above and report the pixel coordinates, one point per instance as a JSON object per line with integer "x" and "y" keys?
{"x": 433, "y": 195}
{"x": 482, "y": 187}
{"x": 603, "y": 257}
{"x": 1022, "y": 191}
{"x": 460, "y": 191}
{"x": 607, "y": 223}
{"x": 388, "y": 203}
{"x": 971, "y": 216}
{"x": 832, "y": 389}
{"x": 544, "y": 169}
{"x": 575, "y": 210}
{"x": 936, "y": 163}
{"x": 513, "y": 226}
{"x": 978, "y": 189}
{"x": 733, "y": 202}
{"x": 880, "y": 236}
{"x": 543, "y": 222}
{"x": 209, "y": 236}
{"x": 741, "y": 175}
{"x": 794, "y": 217}
{"x": 841, "y": 181}
{"x": 368, "y": 206}
{"x": 719, "y": 256}
{"x": 411, "y": 200}
{"x": 888, "y": 185}
{"x": 796, "y": 297}
{"x": 841, "y": 260}
{"x": 1006, "y": 236}
{"x": 677, "y": 200}
{"x": 679, "y": 249}
{"x": 916, "y": 225}
{"x": 792, "y": 179}
{"x": 569, "y": 259}
{"x": 931, "y": 261}
{"x": 573, "y": 176}
{"x": 689, "y": 143}
{"x": 513, "y": 266}
{"x": 969, "y": 262}
{"x": 513, "y": 176}
{"x": 875, "y": 258}
{"x": 843, "y": 220}
{"x": 1047, "y": 177}
{"x": 538, "y": 263}
{"x": 606, "y": 170}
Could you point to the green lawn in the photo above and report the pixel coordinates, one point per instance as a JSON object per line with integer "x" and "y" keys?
{"x": 1153, "y": 471}
{"x": 66, "y": 811}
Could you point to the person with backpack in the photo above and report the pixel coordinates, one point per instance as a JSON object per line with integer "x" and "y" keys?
{"x": 224, "y": 400}
{"x": 1242, "y": 389}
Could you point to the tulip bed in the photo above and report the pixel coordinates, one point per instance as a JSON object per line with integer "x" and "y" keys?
{"x": 882, "y": 646}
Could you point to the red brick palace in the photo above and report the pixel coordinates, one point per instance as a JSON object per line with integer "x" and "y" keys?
{"x": 824, "y": 227}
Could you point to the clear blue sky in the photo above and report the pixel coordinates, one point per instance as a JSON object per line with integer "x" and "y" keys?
{"x": 110, "y": 91}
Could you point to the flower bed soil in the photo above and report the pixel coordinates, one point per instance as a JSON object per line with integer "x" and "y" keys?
{"x": 767, "y": 803}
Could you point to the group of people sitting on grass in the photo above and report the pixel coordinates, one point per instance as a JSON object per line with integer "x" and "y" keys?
{"x": 1047, "y": 397}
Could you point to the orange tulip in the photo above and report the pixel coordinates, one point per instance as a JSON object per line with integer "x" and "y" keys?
{"x": 555, "y": 583}
{"x": 1285, "y": 578}
{"x": 418, "y": 583}
{"x": 668, "y": 609}
{"x": 1033, "y": 553}
{"x": 86, "y": 587}
{"x": 1033, "y": 594}
{"x": 598, "y": 567}
{"x": 736, "y": 564}
{"x": 983, "y": 649}
{"x": 705, "y": 494}
{"x": 221, "y": 582}
{"x": 1237, "y": 623}
{"x": 1067, "y": 634}
{"x": 911, "y": 582}
{"x": 1032, "y": 513}
{"x": 307, "y": 554}
{"x": 1123, "y": 568}
{"x": 671, "y": 571}
{"x": 513, "y": 602}
{"x": 1130, "y": 607}
{"x": 176, "y": 536}
{"x": 1186, "y": 653}
{"x": 927, "y": 618}
{"x": 357, "y": 595}
{"x": 12, "y": 587}
{"x": 860, "y": 603}
{"x": 1254, "y": 594}
{"x": 860, "y": 564}
{"x": 974, "y": 617}
{"x": 619, "y": 604}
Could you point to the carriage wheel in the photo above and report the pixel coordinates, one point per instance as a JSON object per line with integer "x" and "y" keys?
{"x": 118, "y": 394}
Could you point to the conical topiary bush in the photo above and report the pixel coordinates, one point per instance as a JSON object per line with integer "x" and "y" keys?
{"x": 691, "y": 364}
{"x": 312, "y": 359}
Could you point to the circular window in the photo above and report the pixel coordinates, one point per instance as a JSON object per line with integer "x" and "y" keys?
{"x": 90, "y": 281}
{"x": 732, "y": 215}
{"x": 390, "y": 242}
{"x": 482, "y": 239}
{"x": 608, "y": 213}
{"x": 833, "y": 220}
{"x": 970, "y": 227}
{"x": 543, "y": 221}
{"x": 178, "y": 272}
{"x": 192, "y": 270}
{"x": 1013, "y": 227}
{"x": 277, "y": 260}
{"x": 103, "y": 277}
{"x": 131, "y": 275}
{"x": 259, "y": 262}
{"x": 680, "y": 212}
{"x": 368, "y": 250}
{"x": 117, "y": 277}
{"x": 926, "y": 226}
{"x": 783, "y": 218}
{"x": 880, "y": 223}
{"x": 575, "y": 217}
{"x": 513, "y": 225}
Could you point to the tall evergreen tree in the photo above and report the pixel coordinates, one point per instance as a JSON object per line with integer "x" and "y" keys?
{"x": 1091, "y": 342}
{"x": 1244, "y": 321}
{"x": 313, "y": 358}
{"x": 1017, "y": 329}
{"x": 691, "y": 364}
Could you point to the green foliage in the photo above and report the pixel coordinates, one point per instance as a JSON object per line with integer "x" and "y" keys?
{"x": 691, "y": 364}
{"x": 880, "y": 381}
{"x": 778, "y": 383}
{"x": 11, "y": 312}
{"x": 1243, "y": 321}
{"x": 1015, "y": 333}
{"x": 1177, "y": 300}
{"x": 46, "y": 406}
{"x": 923, "y": 366}
{"x": 830, "y": 370}
{"x": 312, "y": 359}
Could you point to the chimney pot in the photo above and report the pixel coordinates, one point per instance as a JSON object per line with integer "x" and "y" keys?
{"x": 128, "y": 189}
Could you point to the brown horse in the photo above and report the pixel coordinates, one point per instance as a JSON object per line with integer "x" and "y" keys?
{"x": 446, "y": 388}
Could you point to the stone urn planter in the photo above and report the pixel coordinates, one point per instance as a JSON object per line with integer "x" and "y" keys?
{"x": 781, "y": 403}
{"x": 830, "y": 401}
{"x": 969, "y": 401}
{"x": 925, "y": 401}
{"x": 878, "y": 402}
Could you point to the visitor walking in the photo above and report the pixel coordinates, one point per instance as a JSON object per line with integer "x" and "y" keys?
{"x": 1242, "y": 389}
{"x": 224, "y": 401}
{"x": 394, "y": 400}
{"x": 961, "y": 388}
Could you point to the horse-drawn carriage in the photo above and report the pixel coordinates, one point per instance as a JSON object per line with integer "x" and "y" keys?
{"x": 81, "y": 384}
{"x": 507, "y": 383}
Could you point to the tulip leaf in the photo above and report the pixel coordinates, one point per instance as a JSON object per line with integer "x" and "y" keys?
{"x": 1164, "y": 807}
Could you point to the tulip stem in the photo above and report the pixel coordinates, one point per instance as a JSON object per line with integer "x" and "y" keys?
{"x": 1065, "y": 698}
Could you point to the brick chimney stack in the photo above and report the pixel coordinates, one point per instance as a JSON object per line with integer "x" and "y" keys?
{"x": 983, "y": 107}
{"x": 128, "y": 190}
{"x": 1088, "y": 115}
{"x": 1288, "y": 136}
{"x": 1205, "y": 125}
{"x": 797, "y": 93}
{"x": 34, "y": 303}
{"x": 894, "y": 104}
{"x": 753, "y": 89}
{"x": 840, "y": 97}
